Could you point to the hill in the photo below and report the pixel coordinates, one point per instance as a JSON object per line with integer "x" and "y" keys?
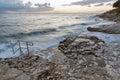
{"x": 112, "y": 15}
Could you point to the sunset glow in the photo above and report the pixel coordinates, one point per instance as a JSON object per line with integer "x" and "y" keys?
{"x": 52, "y": 6}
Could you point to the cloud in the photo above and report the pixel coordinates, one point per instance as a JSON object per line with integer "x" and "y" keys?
{"x": 44, "y": 7}
{"x": 17, "y": 5}
{"x": 109, "y": 4}
{"x": 100, "y": 4}
{"x": 87, "y": 2}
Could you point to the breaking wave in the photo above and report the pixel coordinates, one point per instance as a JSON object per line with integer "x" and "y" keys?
{"x": 40, "y": 32}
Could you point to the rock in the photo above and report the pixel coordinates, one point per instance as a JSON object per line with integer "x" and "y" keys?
{"x": 78, "y": 58}
{"x": 112, "y": 15}
{"x": 110, "y": 29}
{"x": 30, "y": 67}
{"x": 96, "y": 29}
{"x": 3, "y": 68}
{"x": 12, "y": 72}
{"x": 88, "y": 54}
{"x": 101, "y": 63}
{"x": 84, "y": 45}
{"x": 23, "y": 77}
{"x": 7, "y": 73}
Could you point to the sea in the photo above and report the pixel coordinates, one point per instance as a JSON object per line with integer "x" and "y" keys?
{"x": 44, "y": 31}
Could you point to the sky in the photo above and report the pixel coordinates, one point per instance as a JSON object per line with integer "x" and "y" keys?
{"x": 54, "y": 6}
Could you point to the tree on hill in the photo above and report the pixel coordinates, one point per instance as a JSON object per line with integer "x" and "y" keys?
{"x": 117, "y": 4}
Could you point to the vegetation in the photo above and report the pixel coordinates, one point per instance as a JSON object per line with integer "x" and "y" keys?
{"x": 114, "y": 14}
{"x": 117, "y": 4}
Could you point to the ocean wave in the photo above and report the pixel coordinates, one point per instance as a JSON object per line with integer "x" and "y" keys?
{"x": 5, "y": 25}
{"x": 42, "y": 32}
{"x": 79, "y": 24}
{"x": 88, "y": 23}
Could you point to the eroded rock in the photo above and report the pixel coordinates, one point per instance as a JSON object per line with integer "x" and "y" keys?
{"x": 84, "y": 45}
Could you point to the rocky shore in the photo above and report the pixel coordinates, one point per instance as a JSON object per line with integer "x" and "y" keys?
{"x": 112, "y": 15}
{"x": 76, "y": 58}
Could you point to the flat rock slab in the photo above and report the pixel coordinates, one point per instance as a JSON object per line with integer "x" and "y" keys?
{"x": 110, "y": 29}
{"x": 7, "y": 73}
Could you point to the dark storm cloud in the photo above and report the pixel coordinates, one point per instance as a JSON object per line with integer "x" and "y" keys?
{"x": 17, "y": 5}
{"x": 87, "y": 2}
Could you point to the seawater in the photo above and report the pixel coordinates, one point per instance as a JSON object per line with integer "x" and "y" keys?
{"x": 45, "y": 30}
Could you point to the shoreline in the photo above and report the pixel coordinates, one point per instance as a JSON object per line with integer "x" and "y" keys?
{"x": 57, "y": 62}
{"x": 81, "y": 57}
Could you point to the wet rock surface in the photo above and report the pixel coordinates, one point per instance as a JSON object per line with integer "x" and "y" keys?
{"x": 76, "y": 58}
{"x": 110, "y": 29}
